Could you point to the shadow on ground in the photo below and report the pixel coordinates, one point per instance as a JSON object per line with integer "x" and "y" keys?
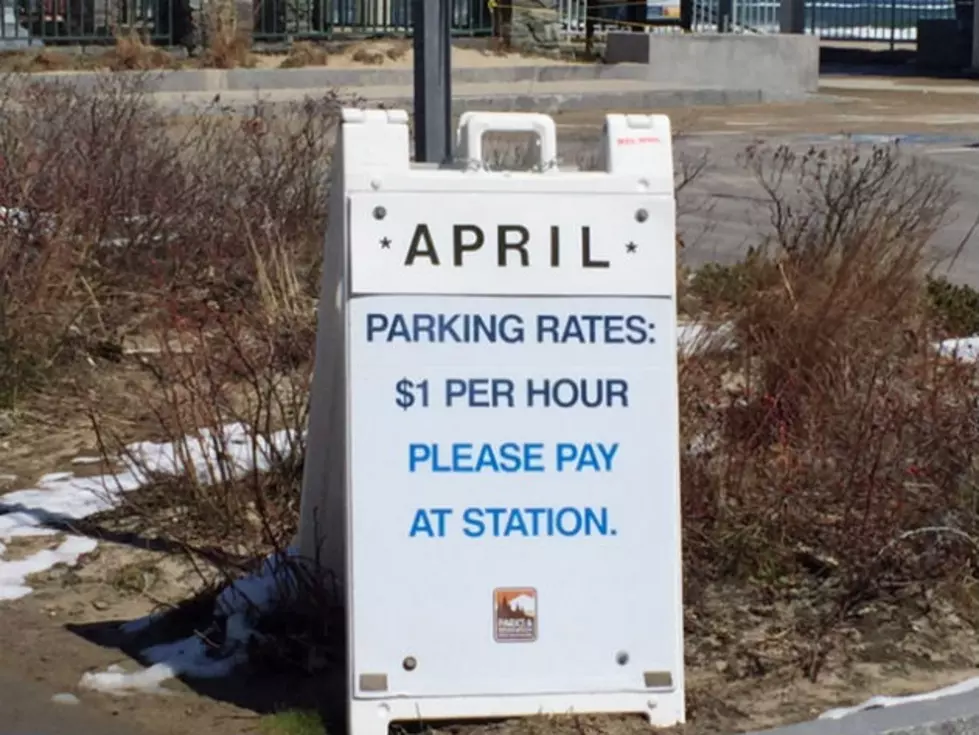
{"x": 288, "y": 670}
{"x": 264, "y": 686}
{"x": 900, "y": 61}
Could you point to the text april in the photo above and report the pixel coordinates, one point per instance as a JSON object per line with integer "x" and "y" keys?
{"x": 511, "y": 245}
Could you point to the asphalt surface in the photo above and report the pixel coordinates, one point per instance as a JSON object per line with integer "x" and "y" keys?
{"x": 723, "y": 210}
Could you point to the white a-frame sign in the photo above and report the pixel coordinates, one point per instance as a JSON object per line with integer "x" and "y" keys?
{"x": 492, "y": 468}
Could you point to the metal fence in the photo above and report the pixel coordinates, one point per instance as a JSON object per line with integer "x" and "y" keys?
{"x": 891, "y": 21}
{"x": 885, "y": 20}
{"x": 837, "y": 20}
{"x": 27, "y": 23}
{"x": 650, "y": 16}
{"x": 316, "y": 19}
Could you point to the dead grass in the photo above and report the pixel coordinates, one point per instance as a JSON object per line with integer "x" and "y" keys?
{"x": 376, "y": 54}
{"x": 45, "y": 60}
{"x": 227, "y": 45}
{"x": 303, "y": 54}
{"x": 109, "y": 214}
{"x": 832, "y": 446}
{"x": 131, "y": 52}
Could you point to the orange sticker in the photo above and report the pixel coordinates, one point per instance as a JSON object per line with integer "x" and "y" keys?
{"x": 514, "y": 614}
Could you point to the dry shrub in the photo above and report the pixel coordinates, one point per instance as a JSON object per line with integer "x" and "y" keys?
{"x": 228, "y": 45}
{"x": 231, "y": 398}
{"x": 831, "y": 441}
{"x": 69, "y": 162}
{"x": 376, "y": 53}
{"x": 132, "y": 52}
{"x": 398, "y": 50}
{"x": 118, "y": 220}
{"x": 367, "y": 55}
{"x": 39, "y": 61}
{"x": 954, "y": 307}
{"x": 305, "y": 53}
{"x": 209, "y": 262}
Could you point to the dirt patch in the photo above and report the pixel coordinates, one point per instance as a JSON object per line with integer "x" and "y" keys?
{"x": 52, "y": 429}
{"x": 47, "y": 636}
{"x": 742, "y": 655}
{"x": 44, "y": 649}
{"x": 115, "y": 582}
{"x": 22, "y": 547}
{"x": 746, "y": 657}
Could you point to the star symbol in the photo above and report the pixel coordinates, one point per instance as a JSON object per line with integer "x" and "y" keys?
{"x": 631, "y": 247}
{"x": 385, "y": 243}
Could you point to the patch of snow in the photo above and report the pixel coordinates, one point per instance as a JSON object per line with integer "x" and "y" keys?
{"x": 55, "y": 477}
{"x": 695, "y": 337}
{"x": 964, "y": 348}
{"x": 65, "y": 698}
{"x": 116, "y": 680}
{"x": 198, "y": 453}
{"x": 238, "y": 605}
{"x": 60, "y": 497}
{"x": 11, "y": 215}
{"x": 86, "y": 460}
{"x": 14, "y": 573}
{"x": 964, "y": 687}
{"x": 257, "y": 592}
{"x": 188, "y": 657}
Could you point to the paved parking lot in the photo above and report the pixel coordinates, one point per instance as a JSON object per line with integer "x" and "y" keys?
{"x": 937, "y": 121}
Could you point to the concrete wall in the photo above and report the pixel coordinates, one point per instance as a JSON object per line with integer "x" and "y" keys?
{"x": 777, "y": 64}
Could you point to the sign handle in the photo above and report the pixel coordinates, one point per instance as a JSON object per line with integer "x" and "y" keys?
{"x": 474, "y": 125}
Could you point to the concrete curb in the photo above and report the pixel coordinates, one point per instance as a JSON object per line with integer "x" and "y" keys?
{"x": 229, "y": 80}
{"x": 954, "y": 715}
{"x": 546, "y": 102}
{"x": 639, "y": 100}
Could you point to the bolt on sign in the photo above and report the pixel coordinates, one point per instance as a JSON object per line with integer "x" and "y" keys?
{"x": 492, "y": 473}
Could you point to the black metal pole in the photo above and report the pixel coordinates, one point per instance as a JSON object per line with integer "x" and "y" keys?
{"x": 432, "y": 27}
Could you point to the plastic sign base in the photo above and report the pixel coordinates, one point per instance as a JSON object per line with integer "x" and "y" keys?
{"x": 492, "y": 474}
{"x": 374, "y": 717}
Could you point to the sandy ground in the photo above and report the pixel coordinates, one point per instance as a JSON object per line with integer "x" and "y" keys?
{"x": 399, "y": 55}
{"x": 387, "y": 54}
